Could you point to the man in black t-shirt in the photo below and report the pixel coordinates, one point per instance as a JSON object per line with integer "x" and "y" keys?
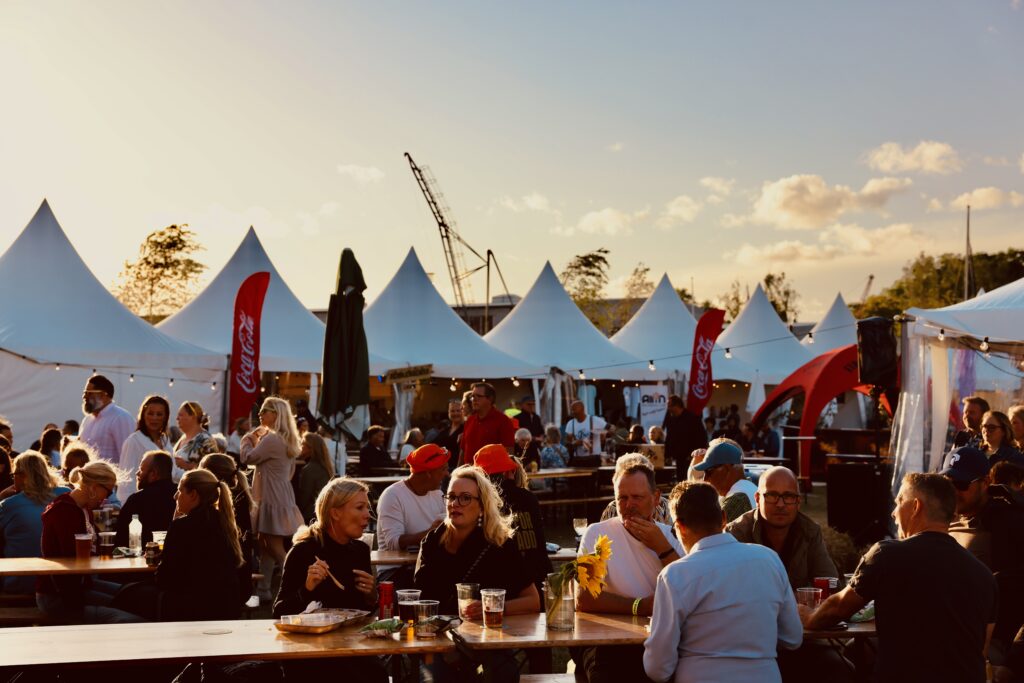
{"x": 935, "y": 603}
{"x": 684, "y": 433}
{"x": 373, "y": 454}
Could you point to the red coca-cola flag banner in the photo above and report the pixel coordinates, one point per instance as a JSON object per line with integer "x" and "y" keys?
{"x": 245, "y": 346}
{"x": 708, "y": 328}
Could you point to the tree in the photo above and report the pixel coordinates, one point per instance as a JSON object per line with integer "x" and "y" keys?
{"x": 781, "y": 295}
{"x": 585, "y": 278}
{"x": 637, "y": 288}
{"x": 731, "y": 302}
{"x": 164, "y": 277}
{"x": 936, "y": 281}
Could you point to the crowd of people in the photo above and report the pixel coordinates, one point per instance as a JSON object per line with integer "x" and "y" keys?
{"x": 716, "y": 564}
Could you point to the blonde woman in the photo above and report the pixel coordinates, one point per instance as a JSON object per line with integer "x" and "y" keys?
{"x": 273, "y": 447}
{"x": 80, "y": 599}
{"x": 474, "y": 545}
{"x": 317, "y": 471}
{"x": 21, "y": 520}
{"x": 226, "y": 470}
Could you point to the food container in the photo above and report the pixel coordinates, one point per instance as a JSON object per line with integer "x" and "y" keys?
{"x": 320, "y": 621}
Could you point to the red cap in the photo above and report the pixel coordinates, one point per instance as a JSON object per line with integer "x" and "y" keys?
{"x": 494, "y": 459}
{"x": 426, "y": 458}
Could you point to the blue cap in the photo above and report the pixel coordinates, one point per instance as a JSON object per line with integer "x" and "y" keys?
{"x": 720, "y": 453}
{"x": 966, "y": 464}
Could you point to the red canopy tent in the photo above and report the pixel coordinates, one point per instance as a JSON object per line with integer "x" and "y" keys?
{"x": 820, "y": 380}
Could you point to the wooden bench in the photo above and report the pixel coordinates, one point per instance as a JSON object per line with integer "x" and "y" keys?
{"x": 548, "y": 678}
{"x": 24, "y": 616}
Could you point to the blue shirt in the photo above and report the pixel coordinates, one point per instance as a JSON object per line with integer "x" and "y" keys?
{"x": 21, "y": 527}
{"x": 719, "y": 614}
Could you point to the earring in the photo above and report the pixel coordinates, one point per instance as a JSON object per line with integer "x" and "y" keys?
{"x": 480, "y": 521}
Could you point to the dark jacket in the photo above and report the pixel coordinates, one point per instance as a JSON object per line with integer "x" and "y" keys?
{"x": 341, "y": 558}
{"x": 684, "y": 433}
{"x": 311, "y": 480}
{"x": 532, "y": 422}
{"x": 62, "y": 519}
{"x": 804, "y": 553}
{"x": 371, "y": 457}
{"x": 199, "y": 576}
{"x": 529, "y": 529}
{"x": 154, "y": 505}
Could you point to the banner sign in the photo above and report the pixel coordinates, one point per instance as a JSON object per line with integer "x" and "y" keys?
{"x": 245, "y": 346}
{"x": 653, "y": 404}
{"x": 412, "y": 373}
{"x": 708, "y": 328}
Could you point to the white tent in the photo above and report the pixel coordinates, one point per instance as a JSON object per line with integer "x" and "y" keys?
{"x": 996, "y": 314}
{"x": 663, "y": 330}
{"x": 56, "y": 314}
{"x": 547, "y": 329}
{"x": 759, "y": 338}
{"x": 291, "y": 338}
{"x": 837, "y": 329}
{"x": 410, "y": 323}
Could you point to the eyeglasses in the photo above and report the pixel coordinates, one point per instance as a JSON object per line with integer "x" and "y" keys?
{"x": 772, "y": 498}
{"x": 991, "y": 427}
{"x": 479, "y": 395}
{"x": 459, "y": 499}
{"x": 267, "y": 410}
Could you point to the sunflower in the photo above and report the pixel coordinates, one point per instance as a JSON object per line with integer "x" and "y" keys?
{"x": 603, "y": 548}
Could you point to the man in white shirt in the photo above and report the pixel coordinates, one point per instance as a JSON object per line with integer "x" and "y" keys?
{"x": 722, "y": 467}
{"x": 721, "y": 611}
{"x": 585, "y": 432}
{"x": 640, "y": 548}
{"x": 410, "y": 508}
{"x": 106, "y": 424}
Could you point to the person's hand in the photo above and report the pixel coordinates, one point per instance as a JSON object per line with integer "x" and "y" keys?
{"x": 648, "y": 533}
{"x": 315, "y": 575}
{"x": 365, "y": 583}
{"x": 474, "y": 610}
{"x": 697, "y": 457}
{"x": 805, "y": 613}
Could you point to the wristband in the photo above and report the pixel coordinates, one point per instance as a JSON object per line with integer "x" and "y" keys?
{"x": 662, "y": 556}
{"x": 636, "y": 605}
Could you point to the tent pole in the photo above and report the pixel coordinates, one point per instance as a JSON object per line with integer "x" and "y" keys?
{"x": 224, "y": 427}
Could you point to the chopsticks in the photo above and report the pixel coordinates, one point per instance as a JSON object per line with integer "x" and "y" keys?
{"x": 332, "y": 577}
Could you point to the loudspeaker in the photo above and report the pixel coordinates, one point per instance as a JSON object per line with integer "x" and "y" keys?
{"x": 859, "y": 500}
{"x": 876, "y": 352}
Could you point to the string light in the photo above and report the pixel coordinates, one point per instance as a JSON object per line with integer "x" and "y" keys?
{"x": 170, "y": 382}
{"x": 810, "y": 337}
{"x": 131, "y": 378}
{"x": 942, "y": 335}
{"x": 515, "y": 382}
{"x": 453, "y": 386}
{"x": 263, "y": 390}
{"x": 583, "y": 375}
{"x": 213, "y": 386}
{"x": 728, "y": 353}
{"x": 650, "y": 366}
{"x": 57, "y": 367}
{"x": 984, "y": 345}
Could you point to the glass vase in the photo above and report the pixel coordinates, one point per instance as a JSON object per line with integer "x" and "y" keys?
{"x": 560, "y": 602}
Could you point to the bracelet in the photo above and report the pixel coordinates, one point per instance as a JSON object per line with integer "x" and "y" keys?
{"x": 662, "y": 556}
{"x": 636, "y": 605}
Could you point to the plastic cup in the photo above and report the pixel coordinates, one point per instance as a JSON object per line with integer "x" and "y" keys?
{"x": 424, "y": 610}
{"x": 83, "y": 545}
{"x": 407, "y": 600}
{"x": 811, "y": 597}
{"x": 158, "y": 537}
{"x": 493, "y": 600}
{"x": 468, "y": 593}
{"x": 105, "y": 547}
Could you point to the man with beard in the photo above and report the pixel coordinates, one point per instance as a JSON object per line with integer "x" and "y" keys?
{"x": 106, "y": 424}
{"x": 153, "y": 502}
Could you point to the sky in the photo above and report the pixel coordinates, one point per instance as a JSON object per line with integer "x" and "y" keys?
{"x": 712, "y": 141}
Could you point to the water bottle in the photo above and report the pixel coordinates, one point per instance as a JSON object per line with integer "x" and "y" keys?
{"x": 135, "y": 536}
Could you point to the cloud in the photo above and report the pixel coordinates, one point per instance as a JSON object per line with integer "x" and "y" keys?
{"x": 732, "y": 220}
{"x": 309, "y": 223}
{"x": 988, "y": 198}
{"x": 607, "y": 221}
{"x": 1021, "y": 162}
{"x": 928, "y": 156}
{"x": 836, "y": 241}
{"x": 719, "y": 186}
{"x": 534, "y": 201}
{"x": 363, "y": 175}
{"x": 934, "y": 205}
{"x": 616, "y": 147}
{"x": 683, "y": 209}
{"x": 805, "y": 202}
{"x": 996, "y": 161}
{"x": 1016, "y": 4}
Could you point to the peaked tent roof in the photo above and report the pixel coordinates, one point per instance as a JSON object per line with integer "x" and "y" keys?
{"x": 291, "y": 338}
{"x": 410, "y": 323}
{"x": 95, "y": 329}
{"x": 760, "y": 338}
{"x": 838, "y": 328}
{"x": 998, "y": 315}
{"x": 547, "y": 329}
{"x": 664, "y": 329}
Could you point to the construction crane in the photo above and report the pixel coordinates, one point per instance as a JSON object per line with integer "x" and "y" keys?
{"x": 452, "y": 244}
{"x": 867, "y": 288}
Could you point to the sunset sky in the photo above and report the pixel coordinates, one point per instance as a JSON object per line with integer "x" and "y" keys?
{"x": 710, "y": 140}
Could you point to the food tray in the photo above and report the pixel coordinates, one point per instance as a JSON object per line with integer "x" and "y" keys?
{"x": 320, "y": 621}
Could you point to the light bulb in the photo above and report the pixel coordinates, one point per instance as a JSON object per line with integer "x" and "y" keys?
{"x": 583, "y": 375}
{"x": 170, "y": 382}
{"x": 452, "y": 386}
{"x": 131, "y": 378}
{"x": 984, "y": 345}
{"x": 213, "y": 386}
{"x": 942, "y": 335}
{"x": 728, "y": 353}
{"x": 515, "y": 382}
{"x": 810, "y": 337}
{"x": 57, "y": 367}
{"x": 650, "y": 366}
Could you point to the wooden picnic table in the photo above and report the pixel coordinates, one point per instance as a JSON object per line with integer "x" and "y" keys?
{"x": 864, "y": 629}
{"x": 400, "y": 557}
{"x": 36, "y": 566}
{"x": 222, "y": 641}
{"x": 562, "y": 472}
{"x": 380, "y": 480}
{"x": 530, "y": 630}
